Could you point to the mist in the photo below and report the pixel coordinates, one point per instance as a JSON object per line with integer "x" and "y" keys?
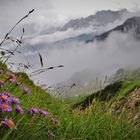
{"x": 90, "y": 60}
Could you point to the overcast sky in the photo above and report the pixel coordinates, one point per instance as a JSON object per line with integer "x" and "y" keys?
{"x": 74, "y": 8}
{"x": 52, "y": 11}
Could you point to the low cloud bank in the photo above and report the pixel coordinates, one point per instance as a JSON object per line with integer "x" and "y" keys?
{"x": 100, "y": 58}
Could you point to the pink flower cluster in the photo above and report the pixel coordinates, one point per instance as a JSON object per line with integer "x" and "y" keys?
{"x": 9, "y": 103}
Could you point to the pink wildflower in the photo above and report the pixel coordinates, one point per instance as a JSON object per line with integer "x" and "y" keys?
{"x": 5, "y": 107}
{"x": 19, "y": 109}
{"x": 9, "y": 123}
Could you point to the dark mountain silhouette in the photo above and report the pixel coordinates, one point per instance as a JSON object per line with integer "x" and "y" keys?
{"x": 131, "y": 24}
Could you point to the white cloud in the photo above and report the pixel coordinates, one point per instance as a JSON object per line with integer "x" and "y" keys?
{"x": 101, "y": 58}
{"x": 12, "y": 11}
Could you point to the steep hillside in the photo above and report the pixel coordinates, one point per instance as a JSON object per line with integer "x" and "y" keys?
{"x": 123, "y": 97}
{"x": 125, "y": 74}
{"x": 59, "y": 120}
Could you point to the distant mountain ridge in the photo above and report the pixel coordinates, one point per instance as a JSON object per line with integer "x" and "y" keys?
{"x": 101, "y": 18}
{"x": 132, "y": 24}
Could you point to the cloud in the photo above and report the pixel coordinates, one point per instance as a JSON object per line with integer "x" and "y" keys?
{"x": 118, "y": 51}
{"x": 12, "y": 11}
{"x": 93, "y": 59}
{"x": 48, "y": 12}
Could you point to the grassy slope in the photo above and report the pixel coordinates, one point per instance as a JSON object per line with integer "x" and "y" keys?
{"x": 93, "y": 123}
{"x": 111, "y": 93}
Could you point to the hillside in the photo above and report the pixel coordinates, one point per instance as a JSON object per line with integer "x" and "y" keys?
{"x": 64, "y": 122}
{"x": 123, "y": 97}
{"x": 125, "y": 74}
